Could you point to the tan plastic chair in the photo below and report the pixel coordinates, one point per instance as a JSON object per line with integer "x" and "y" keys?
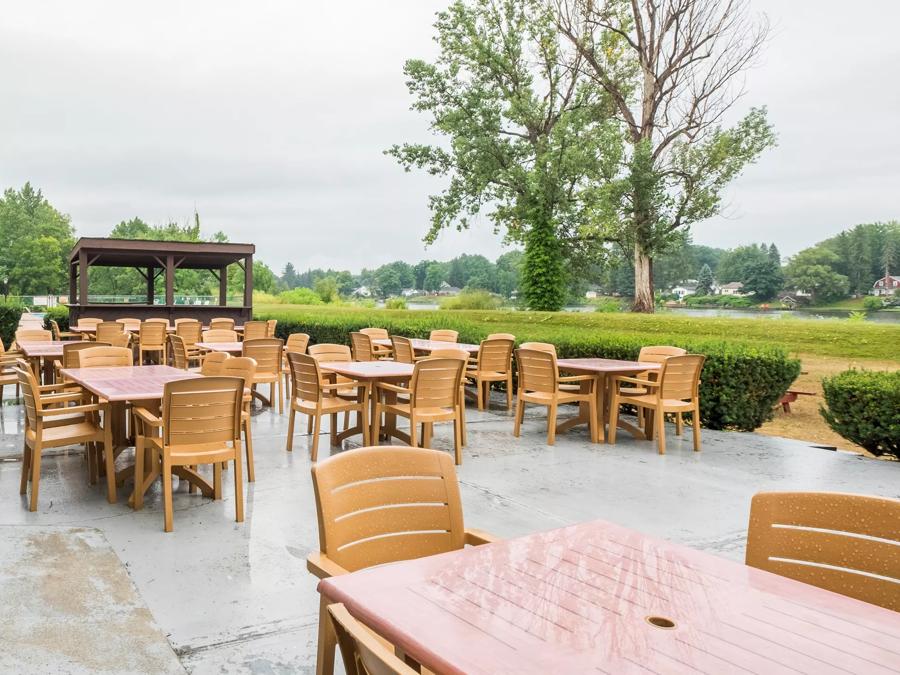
{"x": 152, "y": 339}
{"x": 213, "y": 363}
{"x": 244, "y": 368}
{"x": 268, "y": 354}
{"x": 539, "y": 347}
{"x": 130, "y": 323}
{"x": 178, "y": 351}
{"x": 361, "y": 651}
{"x": 219, "y": 335}
{"x": 189, "y": 330}
{"x": 105, "y": 357}
{"x": 380, "y": 505}
{"x": 271, "y": 325}
{"x": 494, "y": 364}
{"x": 200, "y": 424}
{"x": 378, "y": 334}
{"x": 254, "y": 330}
{"x": 221, "y": 324}
{"x": 108, "y": 330}
{"x": 120, "y": 340}
{"x": 178, "y": 322}
{"x": 361, "y": 347}
{"x": 540, "y": 383}
{"x": 60, "y": 335}
{"x": 845, "y": 543}
{"x": 310, "y": 396}
{"x": 327, "y": 351}
{"x": 461, "y": 355}
{"x": 501, "y": 336}
{"x": 676, "y": 390}
{"x": 403, "y": 349}
{"x": 444, "y": 335}
{"x": 654, "y": 354}
{"x": 434, "y": 393}
{"x": 71, "y": 352}
{"x": 296, "y": 342}
{"x": 33, "y": 335}
{"x": 158, "y": 319}
{"x": 82, "y": 426}
{"x": 88, "y": 322}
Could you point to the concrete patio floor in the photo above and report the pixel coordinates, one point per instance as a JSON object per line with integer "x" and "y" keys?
{"x": 237, "y": 597}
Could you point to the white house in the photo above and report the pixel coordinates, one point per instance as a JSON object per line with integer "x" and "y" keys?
{"x": 733, "y": 288}
{"x": 684, "y": 290}
{"x": 362, "y": 292}
{"x": 888, "y": 285}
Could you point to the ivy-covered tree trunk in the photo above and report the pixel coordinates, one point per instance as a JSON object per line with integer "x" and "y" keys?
{"x": 543, "y": 272}
{"x": 643, "y": 281}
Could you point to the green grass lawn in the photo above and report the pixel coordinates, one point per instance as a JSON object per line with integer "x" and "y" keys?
{"x": 825, "y": 337}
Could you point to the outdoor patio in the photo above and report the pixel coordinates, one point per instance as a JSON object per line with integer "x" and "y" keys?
{"x": 237, "y": 597}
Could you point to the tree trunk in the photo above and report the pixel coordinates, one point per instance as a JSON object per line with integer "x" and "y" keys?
{"x": 643, "y": 282}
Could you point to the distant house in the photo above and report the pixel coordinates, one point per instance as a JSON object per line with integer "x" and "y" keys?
{"x": 889, "y": 284}
{"x": 447, "y": 289}
{"x": 592, "y": 293}
{"x": 362, "y": 292}
{"x": 683, "y": 290}
{"x": 733, "y": 288}
{"x": 410, "y": 292}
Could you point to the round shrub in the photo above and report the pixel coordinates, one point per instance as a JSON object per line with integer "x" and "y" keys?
{"x": 863, "y": 406}
{"x": 300, "y": 296}
{"x": 395, "y": 303}
{"x": 10, "y": 313}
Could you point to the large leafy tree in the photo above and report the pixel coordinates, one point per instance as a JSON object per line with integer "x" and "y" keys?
{"x": 812, "y": 270}
{"x": 672, "y": 69}
{"x": 525, "y": 137}
{"x": 35, "y": 240}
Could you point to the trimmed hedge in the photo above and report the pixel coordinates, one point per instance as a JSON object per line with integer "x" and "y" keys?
{"x": 60, "y": 314}
{"x": 10, "y": 313}
{"x": 864, "y": 407}
{"x": 740, "y": 383}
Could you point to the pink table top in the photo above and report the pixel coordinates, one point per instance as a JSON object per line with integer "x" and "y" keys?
{"x": 228, "y": 347}
{"x": 577, "y": 600}
{"x": 33, "y": 350}
{"x": 604, "y": 366}
{"x": 124, "y": 383}
{"x": 431, "y": 345}
{"x": 135, "y": 327}
{"x": 370, "y": 370}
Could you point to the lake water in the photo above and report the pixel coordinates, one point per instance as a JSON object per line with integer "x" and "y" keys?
{"x": 812, "y": 314}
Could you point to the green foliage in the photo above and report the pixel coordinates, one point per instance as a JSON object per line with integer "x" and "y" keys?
{"x": 326, "y": 288}
{"x": 395, "y": 303}
{"x": 856, "y": 316}
{"x": 871, "y": 303}
{"x": 260, "y": 298}
{"x": 863, "y": 252}
{"x": 705, "y": 281}
{"x": 10, "y": 313}
{"x": 300, "y": 296}
{"x": 727, "y": 301}
{"x": 543, "y": 274}
{"x": 59, "y": 314}
{"x": 471, "y": 299}
{"x": 607, "y": 305}
{"x": 862, "y": 407}
{"x": 812, "y": 270}
{"x": 741, "y": 383}
{"x": 35, "y": 240}
{"x": 529, "y": 138}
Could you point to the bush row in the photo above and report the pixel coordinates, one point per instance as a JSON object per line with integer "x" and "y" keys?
{"x": 60, "y": 314}
{"x": 740, "y": 383}
{"x": 10, "y": 313}
{"x": 864, "y": 407}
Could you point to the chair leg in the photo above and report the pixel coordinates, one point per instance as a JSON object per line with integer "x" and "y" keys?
{"x": 614, "y": 418}
{"x": 217, "y": 480}
{"x": 138, "y": 473}
{"x": 479, "y": 386}
{"x": 35, "y": 476}
{"x": 167, "y": 495}
{"x": 333, "y": 432}
{"x": 412, "y": 433}
{"x": 695, "y": 421}
{"x": 364, "y": 423}
{"x": 327, "y": 641}
{"x": 248, "y": 442}
{"x": 26, "y": 465}
{"x": 280, "y": 396}
{"x": 520, "y": 414}
{"x": 427, "y": 431}
{"x": 679, "y": 424}
{"x": 509, "y": 386}
{"x": 592, "y": 420}
{"x": 317, "y": 427}
{"x": 551, "y": 423}
{"x": 290, "y": 434}
{"x": 238, "y": 483}
{"x": 457, "y": 441}
{"x": 309, "y": 424}
{"x": 110, "y": 463}
{"x": 660, "y": 419}
{"x": 272, "y": 396}
{"x": 463, "y": 439}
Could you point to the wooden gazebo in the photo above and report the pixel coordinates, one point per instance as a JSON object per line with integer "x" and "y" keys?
{"x": 152, "y": 259}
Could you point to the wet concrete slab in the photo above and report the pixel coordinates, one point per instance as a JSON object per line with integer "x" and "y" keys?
{"x": 237, "y": 598}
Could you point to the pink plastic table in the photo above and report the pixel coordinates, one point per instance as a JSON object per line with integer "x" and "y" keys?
{"x": 47, "y": 350}
{"x": 123, "y": 383}
{"x": 430, "y": 345}
{"x": 227, "y": 347}
{"x": 586, "y": 598}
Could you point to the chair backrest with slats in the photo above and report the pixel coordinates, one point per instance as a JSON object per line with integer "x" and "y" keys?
{"x": 153, "y": 333}
{"x": 219, "y": 335}
{"x": 203, "y": 410}
{"x": 495, "y": 355}
{"x": 130, "y": 323}
{"x": 846, "y": 543}
{"x": 539, "y": 346}
{"x": 267, "y": 352}
{"x": 54, "y": 330}
{"x": 179, "y": 352}
{"x": 361, "y": 347}
{"x": 107, "y": 330}
{"x": 242, "y": 367}
{"x": 33, "y": 335}
{"x": 403, "y": 349}
{"x": 361, "y": 652}
{"x": 659, "y": 353}
{"x": 376, "y": 333}
{"x": 680, "y": 376}
{"x": 306, "y": 378}
{"x": 383, "y": 504}
{"x": 327, "y": 351}
{"x": 501, "y": 336}
{"x": 189, "y": 331}
{"x": 105, "y": 357}
{"x": 158, "y": 319}
{"x": 435, "y": 382}
{"x": 271, "y": 325}
{"x": 120, "y": 340}
{"x": 297, "y": 342}
{"x": 88, "y": 322}
{"x": 31, "y": 397}
{"x": 71, "y": 350}
{"x": 212, "y": 363}
{"x": 537, "y": 370}
{"x": 221, "y": 324}
{"x": 254, "y": 330}
{"x": 444, "y": 335}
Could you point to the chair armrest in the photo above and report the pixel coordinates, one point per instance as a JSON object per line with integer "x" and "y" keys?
{"x": 576, "y": 378}
{"x": 479, "y": 537}
{"x": 636, "y": 380}
{"x": 147, "y": 417}
{"x": 64, "y": 397}
{"x": 393, "y": 387}
{"x": 349, "y": 384}
{"x": 322, "y": 566}
{"x": 90, "y": 407}
{"x": 56, "y": 386}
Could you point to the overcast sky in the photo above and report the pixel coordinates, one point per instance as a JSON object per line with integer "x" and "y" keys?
{"x": 271, "y": 118}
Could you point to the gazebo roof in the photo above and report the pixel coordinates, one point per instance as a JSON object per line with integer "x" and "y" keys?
{"x": 107, "y": 252}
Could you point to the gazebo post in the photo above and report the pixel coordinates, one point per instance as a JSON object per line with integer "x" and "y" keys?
{"x": 73, "y": 284}
{"x": 82, "y": 278}
{"x": 248, "y": 281}
{"x": 170, "y": 280}
{"x": 223, "y": 286}
{"x": 151, "y": 284}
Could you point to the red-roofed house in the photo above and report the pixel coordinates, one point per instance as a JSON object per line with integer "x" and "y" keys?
{"x": 887, "y": 285}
